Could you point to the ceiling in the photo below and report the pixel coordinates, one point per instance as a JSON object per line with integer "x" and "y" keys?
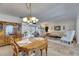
{"x": 43, "y": 11}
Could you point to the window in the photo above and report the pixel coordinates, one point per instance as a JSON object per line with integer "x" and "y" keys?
{"x": 9, "y": 29}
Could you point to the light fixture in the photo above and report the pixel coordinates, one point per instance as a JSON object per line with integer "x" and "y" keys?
{"x": 30, "y": 19}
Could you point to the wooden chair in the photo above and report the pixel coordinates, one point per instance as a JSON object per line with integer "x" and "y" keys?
{"x": 15, "y": 47}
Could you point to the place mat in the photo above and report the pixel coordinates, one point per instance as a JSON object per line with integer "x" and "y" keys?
{"x": 23, "y": 42}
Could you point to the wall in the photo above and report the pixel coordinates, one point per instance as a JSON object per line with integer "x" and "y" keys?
{"x": 68, "y": 21}
{"x": 9, "y": 18}
{"x": 77, "y": 29}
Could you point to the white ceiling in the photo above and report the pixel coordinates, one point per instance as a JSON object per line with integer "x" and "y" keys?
{"x": 43, "y": 11}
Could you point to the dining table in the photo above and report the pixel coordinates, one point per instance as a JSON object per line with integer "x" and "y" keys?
{"x": 29, "y": 46}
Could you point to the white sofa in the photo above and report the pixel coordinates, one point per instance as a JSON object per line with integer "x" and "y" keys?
{"x": 55, "y": 33}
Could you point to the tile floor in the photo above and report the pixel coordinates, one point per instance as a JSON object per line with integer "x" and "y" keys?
{"x": 55, "y": 48}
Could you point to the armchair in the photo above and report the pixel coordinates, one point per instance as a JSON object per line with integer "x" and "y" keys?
{"x": 68, "y": 37}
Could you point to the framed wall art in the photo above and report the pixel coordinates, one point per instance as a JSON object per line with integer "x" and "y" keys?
{"x": 57, "y": 28}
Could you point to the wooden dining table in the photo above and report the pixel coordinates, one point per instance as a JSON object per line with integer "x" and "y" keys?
{"x": 35, "y": 45}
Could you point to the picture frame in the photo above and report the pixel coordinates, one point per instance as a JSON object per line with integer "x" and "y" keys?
{"x": 57, "y": 28}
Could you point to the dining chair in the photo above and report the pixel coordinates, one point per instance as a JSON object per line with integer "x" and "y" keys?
{"x": 19, "y": 51}
{"x": 16, "y": 50}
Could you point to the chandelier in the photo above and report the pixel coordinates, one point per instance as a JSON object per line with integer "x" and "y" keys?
{"x": 30, "y": 19}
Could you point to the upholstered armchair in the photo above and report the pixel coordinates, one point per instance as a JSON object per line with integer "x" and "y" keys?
{"x": 69, "y": 36}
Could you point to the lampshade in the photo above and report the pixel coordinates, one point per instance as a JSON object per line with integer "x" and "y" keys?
{"x": 25, "y": 19}
{"x": 33, "y": 18}
{"x": 36, "y": 20}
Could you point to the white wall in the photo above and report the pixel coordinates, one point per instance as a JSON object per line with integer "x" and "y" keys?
{"x": 77, "y": 29}
{"x": 9, "y": 18}
{"x": 68, "y": 21}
